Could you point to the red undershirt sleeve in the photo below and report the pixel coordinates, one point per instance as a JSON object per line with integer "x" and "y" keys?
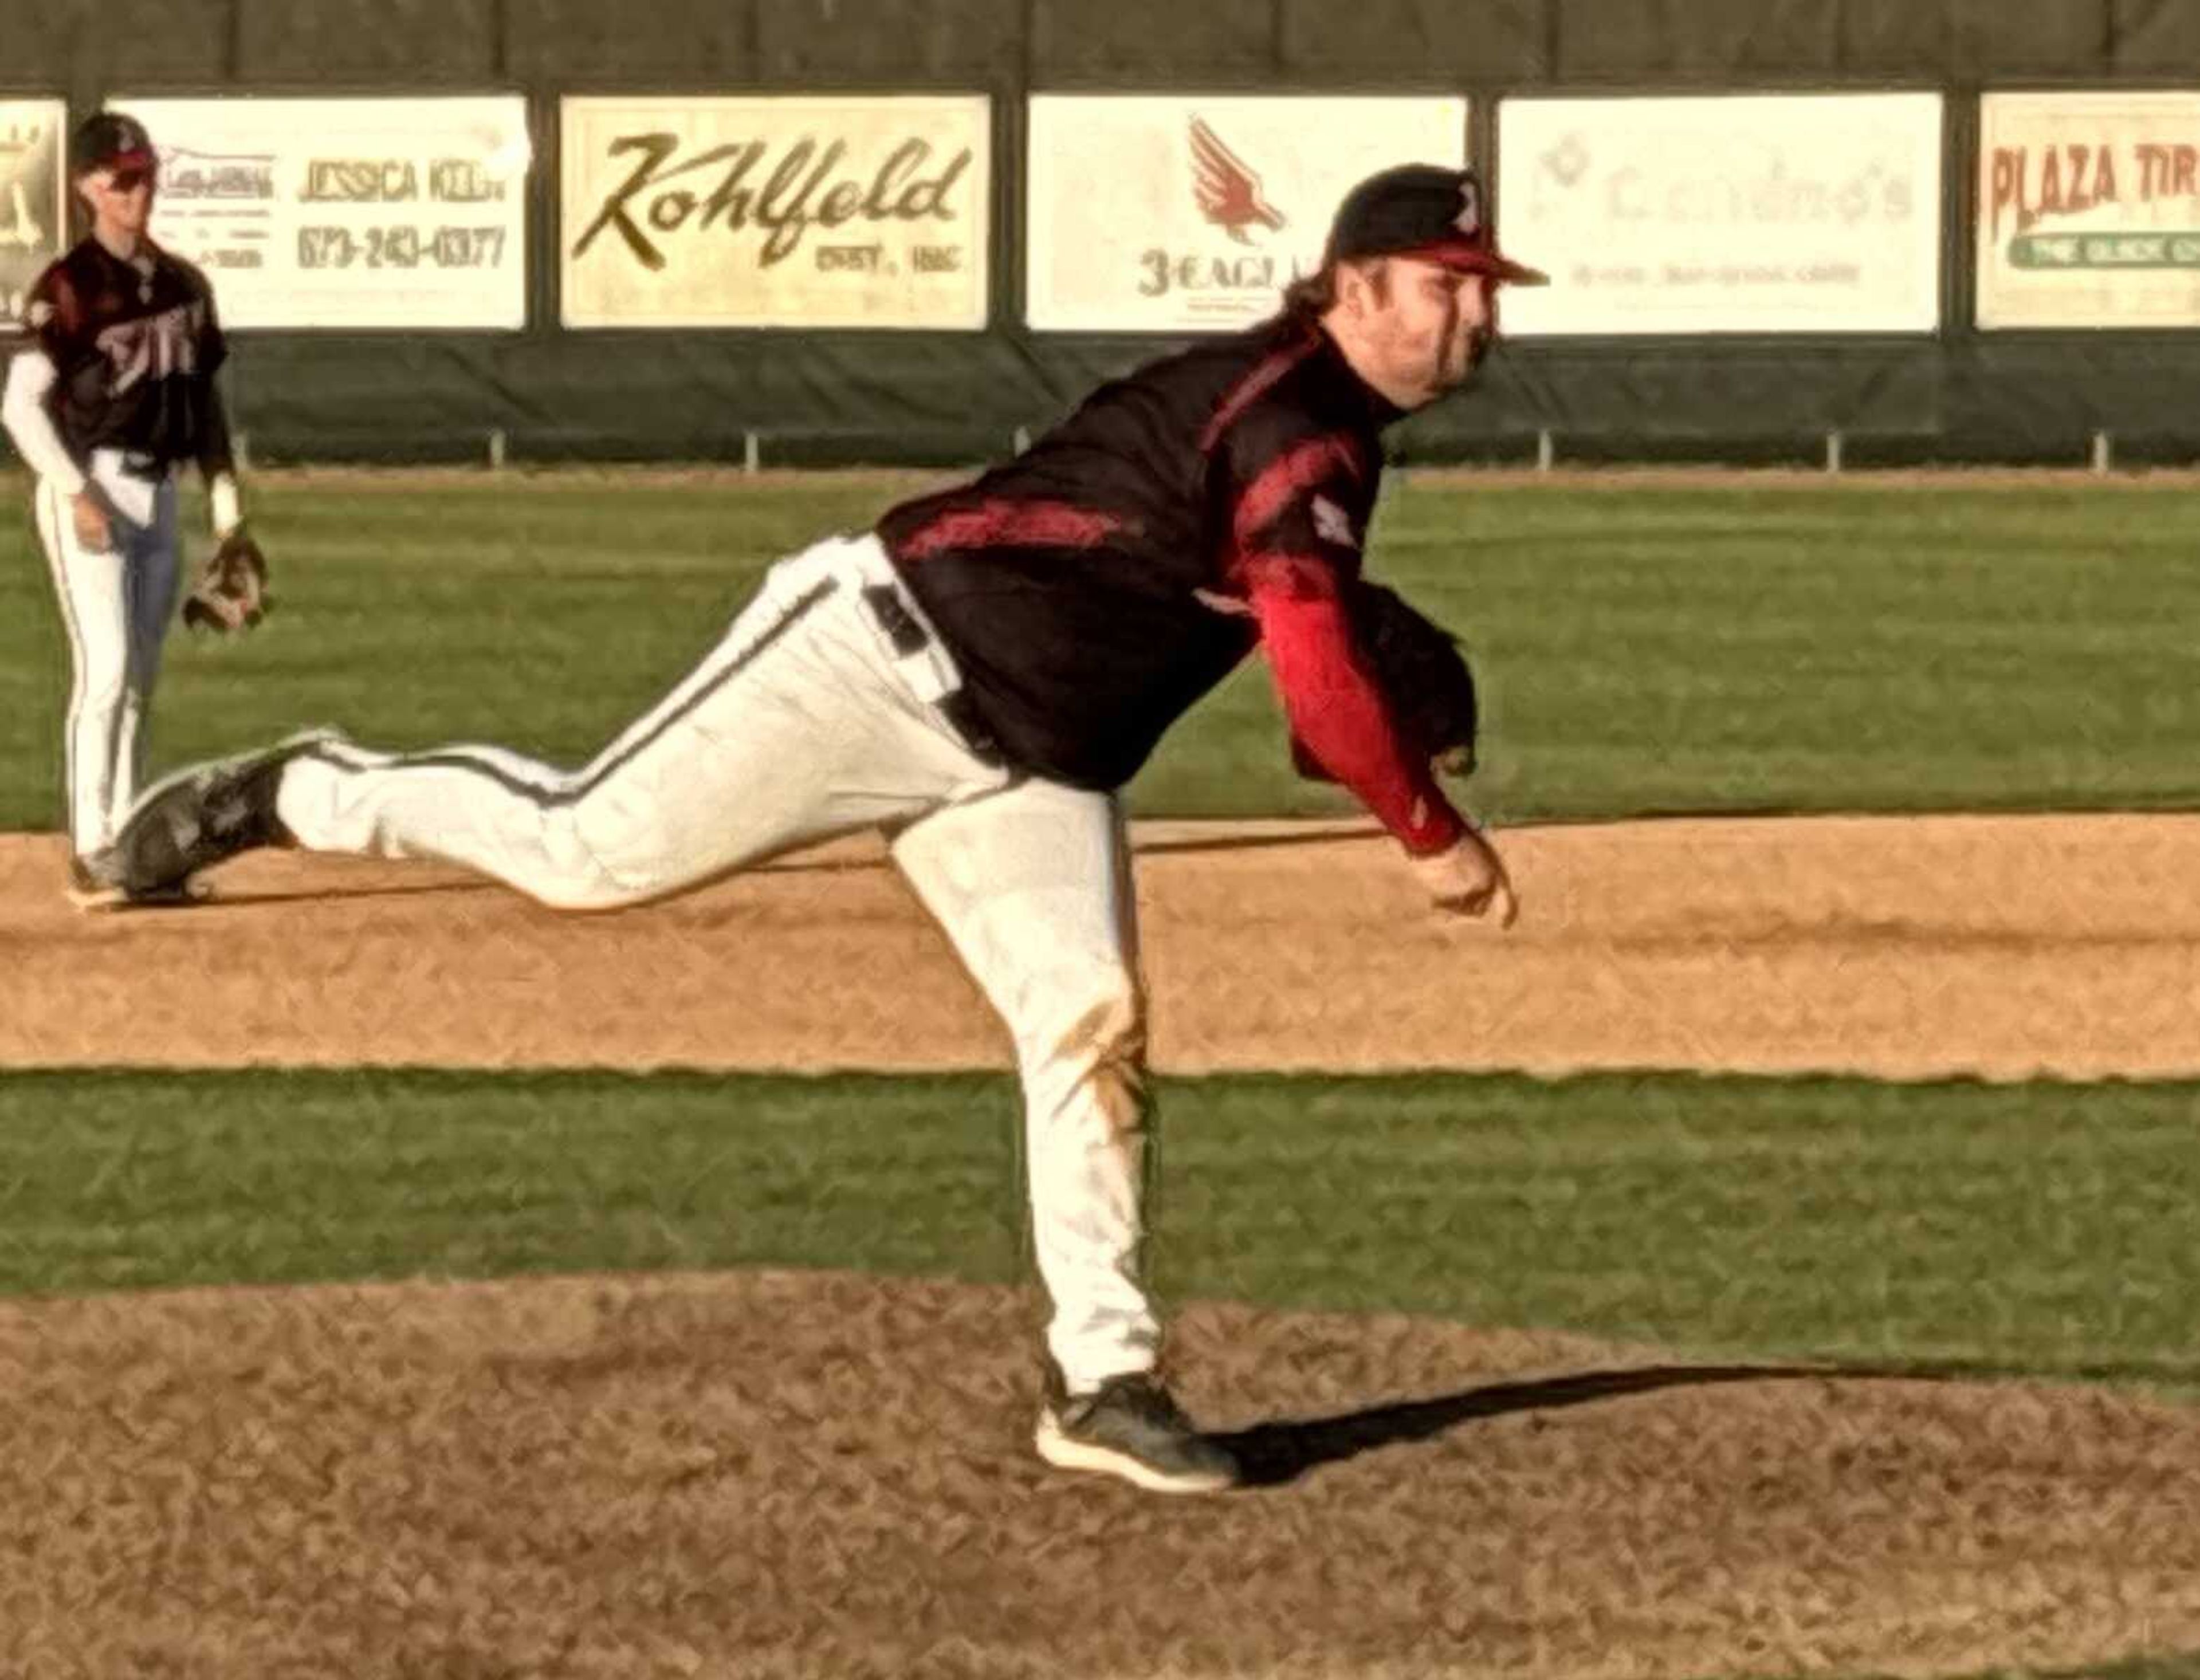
{"x": 1335, "y": 708}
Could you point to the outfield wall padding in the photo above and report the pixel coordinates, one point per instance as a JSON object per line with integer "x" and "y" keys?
{"x": 822, "y": 395}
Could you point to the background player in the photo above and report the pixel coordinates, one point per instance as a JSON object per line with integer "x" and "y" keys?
{"x": 977, "y": 678}
{"x": 115, "y": 390}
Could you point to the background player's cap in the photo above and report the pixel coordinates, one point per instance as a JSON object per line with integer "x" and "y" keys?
{"x": 110, "y": 140}
{"x": 1420, "y": 210}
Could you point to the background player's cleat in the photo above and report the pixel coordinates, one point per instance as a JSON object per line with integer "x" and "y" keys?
{"x": 92, "y": 886}
{"x": 203, "y": 814}
{"x": 1131, "y": 1427}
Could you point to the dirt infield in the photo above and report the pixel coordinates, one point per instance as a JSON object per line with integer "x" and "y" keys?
{"x": 771, "y": 1474}
{"x": 2000, "y": 947}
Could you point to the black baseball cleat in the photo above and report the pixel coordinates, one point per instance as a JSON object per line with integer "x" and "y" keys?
{"x": 95, "y": 884}
{"x": 203, "y": 814}
{"x": 1130, "y": 1426}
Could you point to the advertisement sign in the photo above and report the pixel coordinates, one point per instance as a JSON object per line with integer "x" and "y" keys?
{"x": 347, "y": 212}
{"x": 1801, "y": 212}
{"x": 33, "y": 214}
{"x": 2089, "y": 210}
{"x": 1173, "y": 214}
{"x": 772, "y": 211}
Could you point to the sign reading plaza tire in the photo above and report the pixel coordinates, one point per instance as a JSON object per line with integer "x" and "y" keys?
{"x": 1173, "y": 213}
{"x": 1729, "y": 213}
{"x": 348, "y": 213}
{"x": 775, "y": 212}
{"x": 2089, "y": 210}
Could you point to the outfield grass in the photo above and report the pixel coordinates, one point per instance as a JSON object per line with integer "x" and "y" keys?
{"x": 1649, "y": 647}
{"x": 2035, "y": 1228}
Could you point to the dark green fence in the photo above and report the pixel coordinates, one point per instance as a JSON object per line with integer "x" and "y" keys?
{"x": 822, "y": 397}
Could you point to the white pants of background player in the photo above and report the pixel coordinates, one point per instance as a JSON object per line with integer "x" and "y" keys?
{"x": 805, "y": 721}
{"x": 115, "y": 603}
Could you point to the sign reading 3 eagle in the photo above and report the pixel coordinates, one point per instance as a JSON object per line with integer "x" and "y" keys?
{"x": 34, "y": 218}
{"x": 2089, "y": 210}
{"x": 775, "y": 212}
{"x": 1731, "y": 212}
{"x": 1169, "y": 213}
{"x": 347, "y": 212}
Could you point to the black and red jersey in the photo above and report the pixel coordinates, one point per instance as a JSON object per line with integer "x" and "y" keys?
{"x": 135, "y": 345}
{"x": 1216, "y": 500}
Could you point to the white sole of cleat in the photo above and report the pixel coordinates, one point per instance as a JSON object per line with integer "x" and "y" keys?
{"x": 1067, "y": 1453}
{"x": 104, "y": 901}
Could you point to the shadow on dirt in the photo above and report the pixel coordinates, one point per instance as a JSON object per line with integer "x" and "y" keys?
{"x": 1270, "y": 1454}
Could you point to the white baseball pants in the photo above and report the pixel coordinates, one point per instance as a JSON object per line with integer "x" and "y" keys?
{"x": 115, "y": 604}
{"x": 806, "y": 721}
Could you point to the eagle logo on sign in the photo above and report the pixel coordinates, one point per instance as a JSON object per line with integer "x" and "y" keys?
{"x": 1228, "y": 190}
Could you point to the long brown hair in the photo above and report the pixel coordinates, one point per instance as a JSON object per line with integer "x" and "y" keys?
{"x": 1314, "y": 295}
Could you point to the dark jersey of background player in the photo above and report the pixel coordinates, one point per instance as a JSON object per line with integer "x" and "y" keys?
{"x": 1095, "y": 586}
{"x": 135, "y": 345}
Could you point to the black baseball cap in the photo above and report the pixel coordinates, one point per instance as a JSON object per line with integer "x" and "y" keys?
{"x": 1422, "y": 210}
{"x": 110, "y": 140}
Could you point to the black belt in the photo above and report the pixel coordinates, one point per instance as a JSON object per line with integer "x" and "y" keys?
{"x": 138, "y": 465}
{"x": 909, "y": 636}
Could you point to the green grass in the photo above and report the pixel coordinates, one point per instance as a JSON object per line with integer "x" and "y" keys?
{"x": 1641, "y": 647}
{"x": 2145, "y": 1668}
{"x": 2034, "y": 1229}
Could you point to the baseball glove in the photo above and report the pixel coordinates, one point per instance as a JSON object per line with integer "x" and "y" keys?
{"x": 1422, "y": 671}
{"x": 231, "y": 594}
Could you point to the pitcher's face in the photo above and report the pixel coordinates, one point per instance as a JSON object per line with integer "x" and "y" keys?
{"x": 1424, "y": 327}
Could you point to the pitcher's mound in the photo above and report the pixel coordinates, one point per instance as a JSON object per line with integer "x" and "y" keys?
{"x": 802, "y": 1473}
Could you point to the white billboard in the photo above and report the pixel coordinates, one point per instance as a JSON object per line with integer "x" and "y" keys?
{"x": 1790, "y": 212}
{"x": 1176, "y": 214}
{"x": 347, "y": 212}
{"x": 2089, "y": 210}
{"x": 33, "y": 214}
{"x": 775, "y": 212}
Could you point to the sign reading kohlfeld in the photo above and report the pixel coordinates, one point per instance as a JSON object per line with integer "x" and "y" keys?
{"x": 775, "y": 212}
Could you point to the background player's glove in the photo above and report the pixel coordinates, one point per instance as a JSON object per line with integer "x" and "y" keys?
{"x": 231, "y": 594}
{"x": 1422, "y": 671}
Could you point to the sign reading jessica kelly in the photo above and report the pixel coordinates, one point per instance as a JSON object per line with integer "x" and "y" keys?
{"x": 347, "y": 212}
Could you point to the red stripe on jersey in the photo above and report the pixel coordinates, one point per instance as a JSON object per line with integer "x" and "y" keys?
{"x": 1288, "y": 477}
{"x": 1255, "y": 385}
{"x": 1007, "y": 524}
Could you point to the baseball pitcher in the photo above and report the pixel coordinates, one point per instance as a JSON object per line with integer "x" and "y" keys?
{"x": 115, "y": 390}
{"x": 977, "y": 677}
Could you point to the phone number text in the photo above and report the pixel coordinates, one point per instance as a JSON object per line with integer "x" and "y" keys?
{"x": 400, "y": 248}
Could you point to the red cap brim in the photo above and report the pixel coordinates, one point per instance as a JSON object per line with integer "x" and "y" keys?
{"x": 1470, "y": 257}
{"x": 139, "y": 157}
